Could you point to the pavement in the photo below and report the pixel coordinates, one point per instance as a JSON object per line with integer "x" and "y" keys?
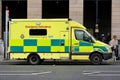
{"x": 1, "y": 58}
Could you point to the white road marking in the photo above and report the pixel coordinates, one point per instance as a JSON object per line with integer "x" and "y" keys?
{"x": 42, "y": 73}
{"x": 15, "y": 74}
{"x": 18, "y": 71}
{"x": 102, "y": 73}
{"x": 107, "y": 75}
{"x": 22, "y": 73}
{"x": 88, "y": 73}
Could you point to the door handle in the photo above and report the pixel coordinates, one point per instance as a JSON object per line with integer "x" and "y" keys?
{"x": 75, "y": 43}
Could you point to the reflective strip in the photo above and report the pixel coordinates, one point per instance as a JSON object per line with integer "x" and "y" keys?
{"x": 16, "y": 48}
{"x": 43, "y": 45}
{"x": 55, "y": 56}
{"x": 82, "y": 43}
{"x": 66, "y": 42}
{"x": 86, "y": 49}
{"x": 46, "y": 49}
{"x": 30, "y": 48}
{"x": 57, "y": 42}
{"x": 64, "y": 55}
{"x": 101, "y": 47}
{"x": 79, "y": 57}
{"x": 45, "y": 56}
{"x": 30, "y": 42}
{"x": 43, "y": 49}
{"x": 67, "y": 49}
{"x": 76, "y": 49}
{"x": 19, "y": 55}
{"x": 62, "y": 49}
{"x": 42, "y": 55}
{"x": 16, "y": 42}
{"x": 55, "y": 48}
{"x": 43, "y": 42}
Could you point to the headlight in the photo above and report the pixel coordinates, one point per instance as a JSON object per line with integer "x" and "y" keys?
{"x": 108, "y": 48}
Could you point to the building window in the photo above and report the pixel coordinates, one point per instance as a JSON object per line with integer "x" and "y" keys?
{"x": 98, "y": 17}
{"x": 55, "y": 8}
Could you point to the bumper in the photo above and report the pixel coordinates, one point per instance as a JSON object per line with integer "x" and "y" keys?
{"x": 107, "y": 56}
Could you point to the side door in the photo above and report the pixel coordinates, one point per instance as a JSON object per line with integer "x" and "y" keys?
{"x": 64, "y": 45}
{"x": 81, "y": 44}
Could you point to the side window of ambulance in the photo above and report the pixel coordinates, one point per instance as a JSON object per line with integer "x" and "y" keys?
{"x": 86, "y": 37}
{"x": 79, "y": 34}
{"x": 38, "y": 32}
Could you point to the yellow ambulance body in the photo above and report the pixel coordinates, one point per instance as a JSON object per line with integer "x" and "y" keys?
{"x": 36, "y": 40}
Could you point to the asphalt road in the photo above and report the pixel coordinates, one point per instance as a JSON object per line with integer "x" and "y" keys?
{"x": 17, "y": 70}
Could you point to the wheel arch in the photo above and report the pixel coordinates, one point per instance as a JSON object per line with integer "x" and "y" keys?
{"x": 96, "y": 52}
{"x": 33, "y": 53}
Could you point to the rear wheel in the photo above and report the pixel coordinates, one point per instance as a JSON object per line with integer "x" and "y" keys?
{"x": 96, "y": 59}
{"x": 34, "y": 59}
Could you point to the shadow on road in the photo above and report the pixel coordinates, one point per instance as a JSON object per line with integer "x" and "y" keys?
{"x": 53, "y": 63}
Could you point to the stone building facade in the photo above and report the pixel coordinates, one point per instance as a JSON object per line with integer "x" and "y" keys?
{"x": 116, "y": 18}
{"x": 34, "y": 10}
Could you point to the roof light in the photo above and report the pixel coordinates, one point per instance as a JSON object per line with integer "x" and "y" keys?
{"x": 37, "y": 23}
{"x": 11, "y": 22}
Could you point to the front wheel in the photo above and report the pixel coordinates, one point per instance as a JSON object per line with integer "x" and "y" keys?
{"x": 96, "y": 59}
{"x": 33, "y": 59}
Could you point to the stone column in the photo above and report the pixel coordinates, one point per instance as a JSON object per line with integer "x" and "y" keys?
{"x": 116, "y": 18}
{"x": 34, "y": 9}
{"x": 76, "y": 10}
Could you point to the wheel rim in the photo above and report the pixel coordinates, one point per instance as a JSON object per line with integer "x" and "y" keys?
{"x": 96, "y": 59}
{"x": 34, "y": 60}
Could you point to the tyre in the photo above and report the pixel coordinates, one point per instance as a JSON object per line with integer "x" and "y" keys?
{"x": 34, "y": 59}
{"x": 96, "y": 59}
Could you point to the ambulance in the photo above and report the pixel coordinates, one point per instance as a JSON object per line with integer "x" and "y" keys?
{"x": 36, "y": 40}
